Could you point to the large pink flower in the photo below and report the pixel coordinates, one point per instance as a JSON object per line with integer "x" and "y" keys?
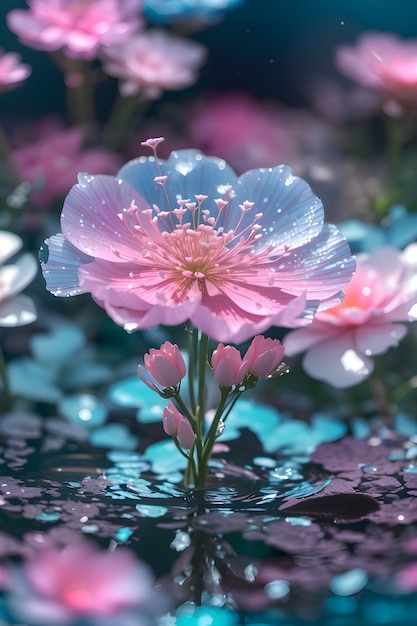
{"x": 51, "y": 162}
{"x": 80, "y": 27}
{"x": 385, "y": 63}
{"x": 341, "y": 342}
{"x": 62, "y": 586}
{"x": 12, "y": 71}
{"x": 153, "y": 62}
{"x": 185, "y": 239}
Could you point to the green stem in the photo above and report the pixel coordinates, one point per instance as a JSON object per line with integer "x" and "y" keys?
{"x": 191, "y": 367}
{"x": 7, "y": 396}
{"x": 124, "y": 113}
{"x": 80, "y": 97}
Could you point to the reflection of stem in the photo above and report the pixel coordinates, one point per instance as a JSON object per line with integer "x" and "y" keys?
{"x": 7, "y": 396}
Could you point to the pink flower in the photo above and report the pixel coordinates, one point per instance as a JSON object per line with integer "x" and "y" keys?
{"x": 53, "y": 160}
{"x": 153, "y": 62}
{"x": 385, "y": 63}
{"x": 185, "y": 239}
{"x": 15, "y": 309}
{"x": 80, "y": 27}
{"x": 250, "y": 133}
{"x": 246, "y": 132}
{"x": 12, "y": 71}
{"x": 340, "y": 342}
{"x": 263, "y": 356}
{"x": 228, "y": 366}
{"x": 166, "y": 365}
{"x": 176, "y": 425}
{"x": 62, "y": 586}
{"x": 407, "y": 577}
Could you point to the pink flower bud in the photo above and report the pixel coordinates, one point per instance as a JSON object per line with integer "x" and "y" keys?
{"x": 170, "y": 419}
{"x": 166, "y": 365}
{"x": 185, "y": 434}
{"x": 229, "y": 369}
{"x": 176, "y": 425}
{"x": 263, "y": 356}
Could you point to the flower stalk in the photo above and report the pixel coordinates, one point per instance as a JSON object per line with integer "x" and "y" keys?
{"x": 185, "y": 418}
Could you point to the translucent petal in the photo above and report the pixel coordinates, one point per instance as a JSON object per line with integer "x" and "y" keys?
{"x": 292, "y": 213}
{"x": 189, "y": 173}
{"x": 60, "y": 264}
{"x": 90, "y": 217}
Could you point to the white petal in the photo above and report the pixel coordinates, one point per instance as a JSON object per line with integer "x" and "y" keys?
{"x": 15, "y": 277}
{"x": 17, "y": 311}
{"x": 9, "y": 245}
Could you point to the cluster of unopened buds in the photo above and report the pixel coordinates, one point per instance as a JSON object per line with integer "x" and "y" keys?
{"x": 165, "y": 369}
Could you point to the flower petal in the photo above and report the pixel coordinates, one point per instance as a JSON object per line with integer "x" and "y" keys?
{"x": 337, "y": 361}
{"x": 15, "y": 277}
{"x": 189, "y": 173}
{"x": 9, "y": 245}
{"x": 91, "y": 220}
{"x": 17, "y": 311}
{"x": 292, "y": 213}
{"x": 60, "y": 264}
{"x": 321, "y": 267}
{"x": 377, "y": 338}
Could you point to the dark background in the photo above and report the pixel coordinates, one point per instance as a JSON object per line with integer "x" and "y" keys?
{"x": 267, "y": 47}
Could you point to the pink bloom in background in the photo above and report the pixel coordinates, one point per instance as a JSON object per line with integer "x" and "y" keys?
{"x": 152, "y": 62}
{"x": 228, "y": 366}
{"x": 250, "y": 133}
{"x": 12, "y": 71}
{"x": 62, "y": 586}
{"x": 341, "y": 342}
{"x": 407, "y": 577}
{"x": 385, "y": 63}
{"x": 263, "y": 356}
{"x": 166, "y": 365}
{"x": 176, "y": 425}
{"x": 53, "y": 159}
{"x": 80, "y": 27}
{"x": 164, "y": 242}
{"x": 15, "y": 309}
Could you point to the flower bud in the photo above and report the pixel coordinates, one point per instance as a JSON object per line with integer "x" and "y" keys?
{"x": 228, "y": 367}
{"x": 166, "y": 365}
{"x": 176, "y": 425}
{"x": 185, "y": 434}
{"x": 263, "y": 356}
{"x": 170, "y": 419}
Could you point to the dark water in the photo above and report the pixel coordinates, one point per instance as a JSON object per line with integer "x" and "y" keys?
{"x": 274, "y": 538}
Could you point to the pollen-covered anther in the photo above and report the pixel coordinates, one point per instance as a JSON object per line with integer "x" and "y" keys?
{"x": 160, "y": 180}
